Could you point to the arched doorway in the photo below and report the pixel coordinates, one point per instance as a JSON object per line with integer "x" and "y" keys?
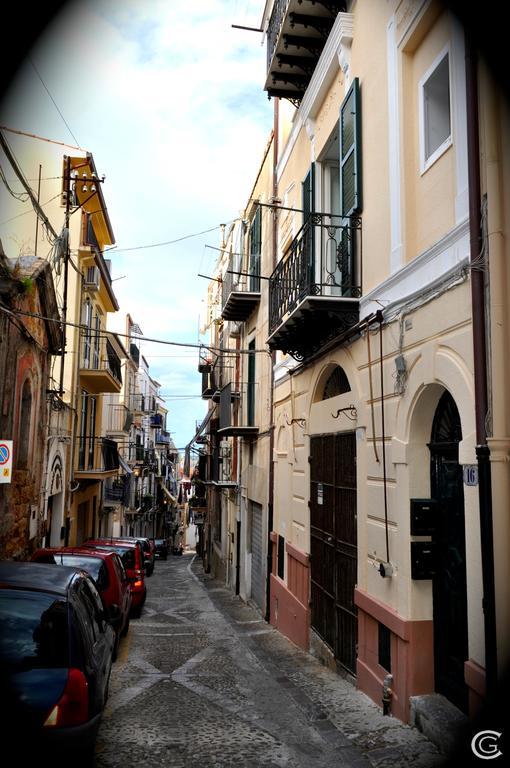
{"x": 449, "y": 582}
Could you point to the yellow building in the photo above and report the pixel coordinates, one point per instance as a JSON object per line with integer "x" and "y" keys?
{"x": 67, "y": 223}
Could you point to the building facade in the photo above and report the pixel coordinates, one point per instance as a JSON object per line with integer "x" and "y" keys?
{"x": 386, "y": 319}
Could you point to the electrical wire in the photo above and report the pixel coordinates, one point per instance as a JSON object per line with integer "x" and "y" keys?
{"x": 21, "y": 196}
{"x": 108, "y": 334}
{"x": 54, "y": 102}
{"x": 167, "y": 242}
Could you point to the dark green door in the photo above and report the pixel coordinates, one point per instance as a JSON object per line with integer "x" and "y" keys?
{"x": 333, "y": 546}
{"x": 449, "y": 583}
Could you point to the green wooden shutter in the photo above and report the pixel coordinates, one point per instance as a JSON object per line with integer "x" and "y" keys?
{"x": 251, "y": 384}
{"x": 255, "y": 249}
{"x": 308, "y": 193}
{"x": 350, "y": 152}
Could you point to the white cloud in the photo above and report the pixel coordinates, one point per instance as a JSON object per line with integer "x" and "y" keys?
{"x": 168, "y": 98}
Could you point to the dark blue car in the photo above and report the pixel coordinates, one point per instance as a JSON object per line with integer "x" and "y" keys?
{"x": 55, "y": 657}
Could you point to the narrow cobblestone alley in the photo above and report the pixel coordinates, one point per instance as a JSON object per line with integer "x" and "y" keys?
{"x": 201, "y": 680}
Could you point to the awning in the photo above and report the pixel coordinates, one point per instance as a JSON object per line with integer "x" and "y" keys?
{"x": 125, "y": 466}
{"x": 170, "y": 496}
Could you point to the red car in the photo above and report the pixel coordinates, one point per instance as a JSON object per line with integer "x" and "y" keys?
{"x": 110, "y": 577}
{"x": 131, "y": 554}
{"x": 148, "y": 551}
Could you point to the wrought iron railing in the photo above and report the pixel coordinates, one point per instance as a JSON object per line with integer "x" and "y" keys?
{"x": 97, "y": 454}
{"x": 234, "y": 281}
{"x": 96, "y": 357}
{"x": 324, "y": 259}
{"x": 274, "y": 27}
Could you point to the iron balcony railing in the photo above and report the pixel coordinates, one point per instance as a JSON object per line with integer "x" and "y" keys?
{"x": 96, "y": 357}
{"x": 97, "y": 454}
{"x": 234, "y": 281}
{"x": 162, "y": 437}
{"x": 274, "y": 27}
{"x": 141, "y": 403}
{"x": 324, "y": 260}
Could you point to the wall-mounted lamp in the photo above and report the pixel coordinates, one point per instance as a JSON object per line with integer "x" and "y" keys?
{"x": 352, "y": 415}
{"x": 301, "y": 422}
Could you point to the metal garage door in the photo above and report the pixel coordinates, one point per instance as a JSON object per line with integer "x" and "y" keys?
{"x": 257, "y": 555}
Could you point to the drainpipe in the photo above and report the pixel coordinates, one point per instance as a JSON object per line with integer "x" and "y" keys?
{"x": 480, "y": 368}
{"x": 270, "y": 502}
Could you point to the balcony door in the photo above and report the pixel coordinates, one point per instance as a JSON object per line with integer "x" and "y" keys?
{"x": 331, "y": 234}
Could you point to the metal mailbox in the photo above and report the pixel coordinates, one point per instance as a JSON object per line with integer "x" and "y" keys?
{"x": 424, "y": 514}
{"x": 423, "y": 559}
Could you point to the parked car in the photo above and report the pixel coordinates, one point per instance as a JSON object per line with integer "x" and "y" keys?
{"x": 56, "y": 657}
{"x": 161, "y": 548}
{"x": 148, "y": 551}
{"x": 110, "y": 578}
{"x": 131, "y": 554}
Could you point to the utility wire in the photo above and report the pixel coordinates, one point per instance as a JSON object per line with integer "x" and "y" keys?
{"x": 36, "y": 205}
{"x": 167, "y": 242}
{"x": 54, "y": 102}
{"x": 108, "y": 334}
{"x": 39, "y": 138}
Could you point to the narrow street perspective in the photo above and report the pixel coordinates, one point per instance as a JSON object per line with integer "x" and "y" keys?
{"x": 254, "y": 384}
{"x": 203, "y": 681}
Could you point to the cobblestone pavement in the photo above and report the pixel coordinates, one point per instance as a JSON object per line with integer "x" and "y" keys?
{"x": 202, "y": 680}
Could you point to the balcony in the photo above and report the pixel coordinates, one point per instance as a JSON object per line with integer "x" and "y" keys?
{"x": 156, "y": 421}
{"x": 141, "y": 404}
{"x": 162, "y": 437}
{"x": 119, "y": 419}
{"x": 97, "y": 458}
{"x": 208, "y": 383}
{"x": 100, "y": 370}
{"x": 314, "y": 291}
{"x": 116, "y": 492}
{"x": 296, "y": 35}
{"x": 240, "y": 294}
{"x": 228, "y": 416}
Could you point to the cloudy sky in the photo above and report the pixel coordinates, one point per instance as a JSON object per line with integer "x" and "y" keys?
{"x": 168, "y": 98}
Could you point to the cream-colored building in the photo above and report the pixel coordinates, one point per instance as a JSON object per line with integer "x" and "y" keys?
{"x": 382, "y": 436}
{"x": 236, "y": 436}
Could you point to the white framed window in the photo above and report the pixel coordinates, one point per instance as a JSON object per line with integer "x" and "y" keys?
{"x": 435, "y": 111}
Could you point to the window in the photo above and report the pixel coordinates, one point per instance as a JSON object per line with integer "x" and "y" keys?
{"x": 336, "y": 384}
{"x": 96, "y": 360}
{"x": 435, "y": 111}
{"x": 25, "y": 420}
{"x": 83, "y": 430}
{"x": 92, "y": 431}
{"x": 87, "y": 333}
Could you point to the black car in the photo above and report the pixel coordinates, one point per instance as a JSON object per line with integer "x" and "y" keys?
{"x": 161, "y": 548}
{"x": 55, "y": 657}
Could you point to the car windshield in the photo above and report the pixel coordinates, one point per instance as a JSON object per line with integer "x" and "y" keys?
{"x": 34, "y": 630}
{"x": 127, "y": 554}
{"x": 93, "y": 566}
